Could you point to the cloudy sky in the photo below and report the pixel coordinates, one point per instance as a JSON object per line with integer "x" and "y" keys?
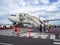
{"x": 47, "y": 9}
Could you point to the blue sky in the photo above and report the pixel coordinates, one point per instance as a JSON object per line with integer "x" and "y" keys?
{"x": 47, "y": 9}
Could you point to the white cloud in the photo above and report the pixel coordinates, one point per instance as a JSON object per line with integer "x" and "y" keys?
{"x": 34, "y": 7}
{"x": 45, "y": 1}
{"x": 22, "y": 6}
{"x": 5, "y": 21}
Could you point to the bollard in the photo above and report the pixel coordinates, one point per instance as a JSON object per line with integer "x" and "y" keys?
{"x": 16, "y": 30}
{"x": 28, "y": 31}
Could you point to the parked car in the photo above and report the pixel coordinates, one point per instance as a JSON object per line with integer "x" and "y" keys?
{"x": 6, "y": 26}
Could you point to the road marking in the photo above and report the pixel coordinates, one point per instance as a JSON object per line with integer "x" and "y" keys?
{"x": 44, "y": 36}
{"x": 57, "y": 40}
{"x": 5, "y": 44}
{"x": 56, "y": 43}
{"x": 52, "y": 37}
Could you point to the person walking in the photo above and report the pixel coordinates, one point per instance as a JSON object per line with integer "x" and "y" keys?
{"x": 44, "y": 28}
{"x": 40, "y": 28}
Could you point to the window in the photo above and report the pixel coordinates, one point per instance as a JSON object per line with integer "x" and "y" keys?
{"x": 22, "y": 17}
{"x": 13, "y": 15}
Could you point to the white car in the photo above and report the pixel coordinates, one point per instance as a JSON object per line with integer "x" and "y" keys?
{"x": 6, "y": 26}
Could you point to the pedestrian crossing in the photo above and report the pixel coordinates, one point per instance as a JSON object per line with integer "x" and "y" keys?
{"x": 33, "y": 35}
{"x": 56, "y": 42}
{"x": 36, "y": 35}
{"x": 5, "y": 44}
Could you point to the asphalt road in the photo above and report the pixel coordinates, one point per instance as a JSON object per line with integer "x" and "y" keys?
{"x": 25, "y": 41}
{"x": 8, "y": 38}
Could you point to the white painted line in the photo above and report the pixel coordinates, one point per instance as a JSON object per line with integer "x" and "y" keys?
{"x": 36, "y": 36}
{"x": 52, "y": 37}
{"x": 44, "y": 36}
{"x": 57, "y": 40}
{"x": 56, "y": 43}
{"x": 5, "y": 44}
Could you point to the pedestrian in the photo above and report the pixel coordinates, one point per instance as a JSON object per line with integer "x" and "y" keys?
{"x": 57, "y": 33}
{"x": 44, "y": 28}
{"x": 40, "y": 28}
